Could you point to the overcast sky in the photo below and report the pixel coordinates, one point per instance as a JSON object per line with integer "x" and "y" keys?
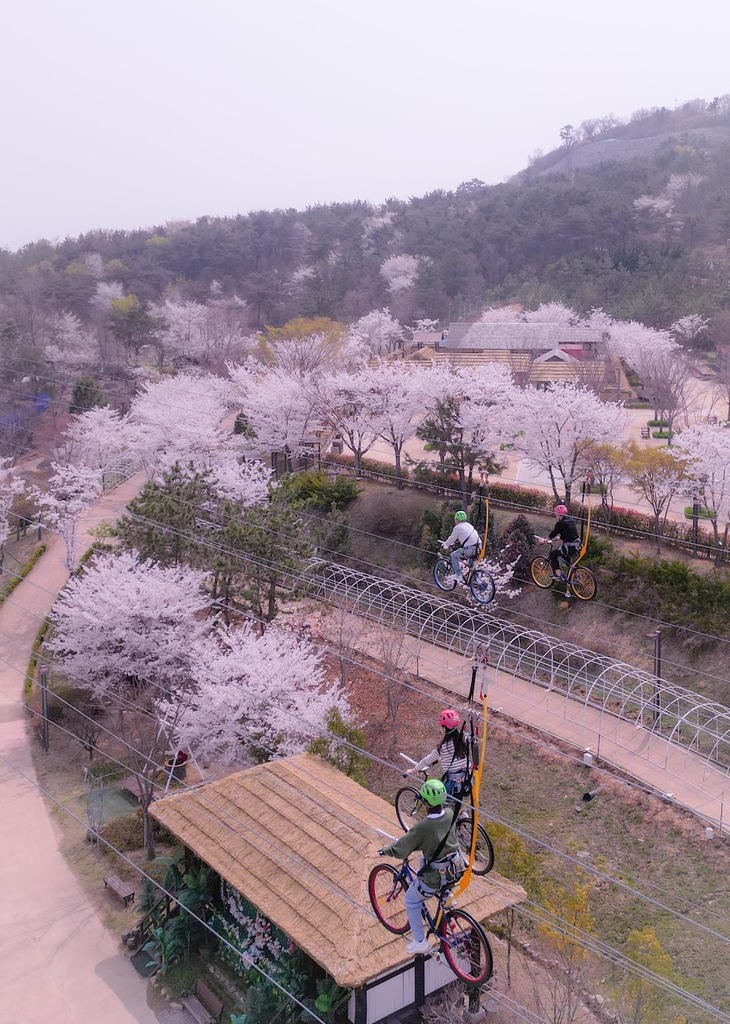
{"x": 132, "y": 114}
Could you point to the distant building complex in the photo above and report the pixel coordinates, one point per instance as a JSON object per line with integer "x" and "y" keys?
{"x": 536, "y": 354}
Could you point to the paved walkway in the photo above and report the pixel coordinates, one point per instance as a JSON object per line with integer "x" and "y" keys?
{"x": 664, "y": 767}
{"x": 58, "y": 961}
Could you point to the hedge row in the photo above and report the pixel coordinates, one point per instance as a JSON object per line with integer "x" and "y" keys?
{"x": 371, "y": 465}
{"x": 17, "y": 580}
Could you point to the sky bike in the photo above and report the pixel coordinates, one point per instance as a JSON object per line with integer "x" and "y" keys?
{"x": 462, "y": 940}
{"x": 411, "y": 807}
{"x": 579, "y": 581}
{"x": 473, "y": 571}
{"x": 476, "y": 578}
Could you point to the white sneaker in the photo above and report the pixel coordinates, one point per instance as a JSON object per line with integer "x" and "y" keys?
{"x": 418, "y": 948}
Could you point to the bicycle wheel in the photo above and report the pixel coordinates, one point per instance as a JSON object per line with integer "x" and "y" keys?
{"x": 484, "y": 853}
{"x": 443, "y": 575}
{"x": 409, "y": 806}
{"x": 541, "y": 572}
{"x": 583, "y": 583}
{"x": 387, "y": 891}
{"x": 482, "y": 587}
{"x": 466, "y": 947}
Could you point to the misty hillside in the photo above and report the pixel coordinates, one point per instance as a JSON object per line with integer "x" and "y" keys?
{"x": 633, "y": 218}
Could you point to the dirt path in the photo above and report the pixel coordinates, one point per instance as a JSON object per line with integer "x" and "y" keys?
{"x": 59, "y": 962}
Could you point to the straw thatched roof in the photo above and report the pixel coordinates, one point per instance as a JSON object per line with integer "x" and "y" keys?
{"x": 298, "y": 839}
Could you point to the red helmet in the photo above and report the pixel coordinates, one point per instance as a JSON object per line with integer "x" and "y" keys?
{"x": 449, "y": 719}
{"x": 560, "y": 510}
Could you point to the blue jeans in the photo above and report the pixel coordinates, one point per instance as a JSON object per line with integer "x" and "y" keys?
{"x": 414, "y": 898}
{"x": 458, "y": 553}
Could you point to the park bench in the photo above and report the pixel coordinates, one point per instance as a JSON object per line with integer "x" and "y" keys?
{"x": 122, "y": 889}
{"x": 645, "y": 433}
{"x": 203, "y": 1006}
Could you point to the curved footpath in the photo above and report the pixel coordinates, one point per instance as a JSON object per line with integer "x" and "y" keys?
{"x": 59, "y": 962}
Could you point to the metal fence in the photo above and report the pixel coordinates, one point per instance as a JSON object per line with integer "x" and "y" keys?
{"x": 617, "y": 689}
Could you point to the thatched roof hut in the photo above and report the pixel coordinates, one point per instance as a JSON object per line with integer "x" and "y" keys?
{"x": 298, "y": 839}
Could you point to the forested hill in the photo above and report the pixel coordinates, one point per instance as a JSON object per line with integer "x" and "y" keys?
{"x": 641, "y": 233}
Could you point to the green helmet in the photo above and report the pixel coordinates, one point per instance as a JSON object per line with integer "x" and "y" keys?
{"x": 460, "y": 517}
{"x": 434, "y": 792}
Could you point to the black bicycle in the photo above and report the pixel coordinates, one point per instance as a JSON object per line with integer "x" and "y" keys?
{"x": 477, "y": 579}
{"x": 462, "y": 939}
{"x": 411, "y": 807}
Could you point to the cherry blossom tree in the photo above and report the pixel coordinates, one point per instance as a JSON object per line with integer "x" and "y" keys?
{"x": 261, "y": 694}
{"x": 210, "y": 333}
{"x": 501, "y": 315}
{"x": 551, "y": 313}
{"x": 464, "y": 417}
{"x": 72, "y": 490}
{"x": 400, "y": 273}
{"x": 70, "y": 347}
{"x": 397, "y": 397}
{"x": 657, "y": 474}
{"x": 246, "y": 483}
{"x": 376, "y": 333}
{"x": 128, "y": 631}
{"x": 689, "y": 328}
{"x": 349, "y": 403}
{"x": 556, "y": 428}
{"x": 10, "y": 486}
{"x": 280, "y": 408}
{"x": 96, "y": 436}
{"x": 179, "y": 418}
{"x": 705, "y": 451}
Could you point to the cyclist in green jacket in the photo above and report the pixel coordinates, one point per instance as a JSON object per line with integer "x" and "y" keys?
{"x": 442, "y": 863}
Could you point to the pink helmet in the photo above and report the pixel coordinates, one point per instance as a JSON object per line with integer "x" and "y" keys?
{"x": 449, "y": 719}
{"x": 560, "y": 510}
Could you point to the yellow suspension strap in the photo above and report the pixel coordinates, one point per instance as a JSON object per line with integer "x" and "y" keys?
{"x": 480, "y": 660}
{"x": 483, "y": 552}
{"x": 587, "y": 533}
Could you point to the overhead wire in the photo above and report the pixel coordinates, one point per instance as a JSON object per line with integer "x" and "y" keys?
{"x": 615, "y": 953}
{"x": 501, "y": 820}
{"x": 248, "y": 961}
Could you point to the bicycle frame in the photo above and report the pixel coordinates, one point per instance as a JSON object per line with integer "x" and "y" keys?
{"x": 434, "y": 923}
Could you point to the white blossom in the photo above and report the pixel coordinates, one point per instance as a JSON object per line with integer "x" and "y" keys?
{"x": 125, "y": 625}
{"x": 72, "y": 490}
{"x": 265, "y": 691}
{"x": 400, "y": 273}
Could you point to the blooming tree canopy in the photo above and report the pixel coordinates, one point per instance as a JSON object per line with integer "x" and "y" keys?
{"x": 72, "y": 490}
{"x": 397, "y": 396}
{"x": 351, "y": 405}
{"x": 96, "y": 436}
{"x": 70, "y": 348}
{"x": 279, "y": 407}
{"x": 257, "y": 691}
{"x": 126, "y": 626}
{"x": 178, "y": 418}
{"x": 377, "y": 332}
{"x": 555, "y": 429}
{"x": 400, "y": 273}
{"x": 705, "y": 451}
{"x": 10, "y": 486}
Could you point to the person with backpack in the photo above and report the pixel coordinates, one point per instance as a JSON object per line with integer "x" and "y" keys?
{"x": 452, "y": 752}
{"x": 442, "y": 863}
{"x": 468, "y": 540}
{"x": 566, "y": 529}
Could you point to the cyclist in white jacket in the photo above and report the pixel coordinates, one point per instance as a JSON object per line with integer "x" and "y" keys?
{"x": 468, "y": 540}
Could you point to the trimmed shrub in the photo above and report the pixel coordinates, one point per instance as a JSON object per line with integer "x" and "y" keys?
{"x": 371, "y": 465}
{"x": 657, "y": 423}
{"x": 527, "y": 496}
{"x": 314, "y": 489}
{"x": 126, "y": 833}
{"x": 518, "y": 540}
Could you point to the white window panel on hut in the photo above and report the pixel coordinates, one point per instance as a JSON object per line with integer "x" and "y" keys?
{"x": 437, "y": 974}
